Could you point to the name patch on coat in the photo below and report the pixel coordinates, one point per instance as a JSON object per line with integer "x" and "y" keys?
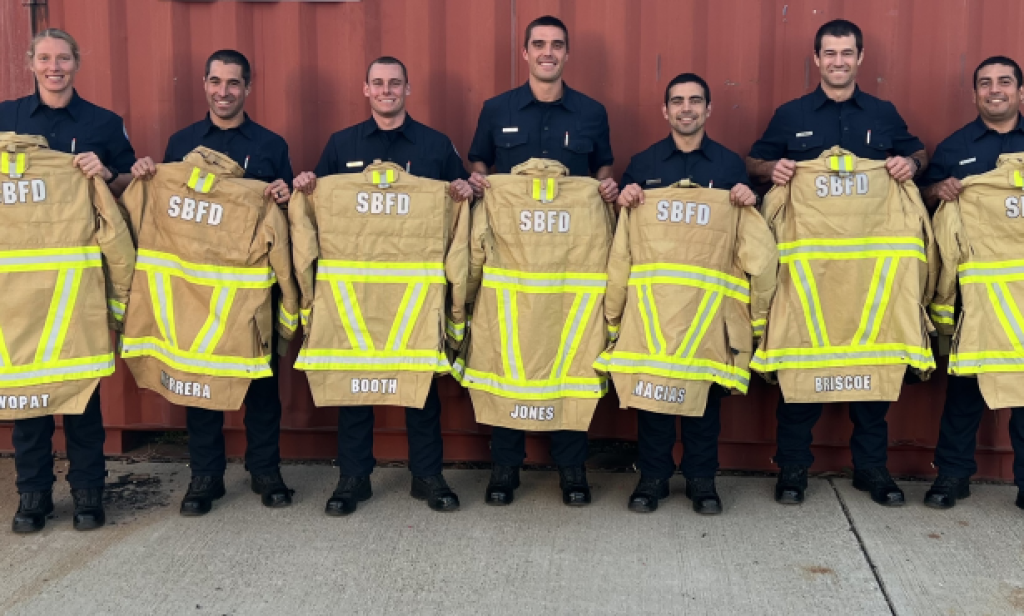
{"x": 184, "y": 388}
{"x": 824, "y": 384}
{"x": 21, "y": 191}
{"x": 17, "y": 403}
{"x": 660, "y": 393}
{"x": 539, "y": 413}
{"x": 375, "y": 386}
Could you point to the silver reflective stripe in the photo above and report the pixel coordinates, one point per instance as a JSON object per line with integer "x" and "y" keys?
{"x": 804, "y": 278}
{"x": 795, "y": 356}
{"x": 544, "y": 283}
{"x": 1008, "y": 309}
{"x": 619, "y": 362}
{"x": 845, "y": 249}
{"x": 162, "y": 283}
{"x": 58, "y": 371}
{"x": 644, "y": 292}
{"x": 222, "y": 294}
{"x": 699, "y": 324}
{"x": 427, "y": 362}
{"x": 876, "y": 300}
{"x": 350, "y": 314}
{"x": 419, "y": 272}
{"x": 259, "y": 276}
{"x": 525, "y": 388}
{"x": 987, "y": 361}
{"x": 71, "y": 259}
{"x": 561, "y": 364}
{"x": 410, "y": 306}
{"x": 200, "y": 364}
{"x": 694, "y": 276}
{"x": 991, "y": 271}
{"x": 510, "y": 333}
{"x": 941, "y": 312}
{"x": 58, "y": 317}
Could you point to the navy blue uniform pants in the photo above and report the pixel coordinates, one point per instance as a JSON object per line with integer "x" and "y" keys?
{"x": 84, "y": 436}
{"x": 958, "y": 434}
{"x": 656, "y": 436}
{"x": 423, "y": 427}
{"x": 508, "y": 447}
{"x": 206, "y": 450}
{"x": 869, "y": 443}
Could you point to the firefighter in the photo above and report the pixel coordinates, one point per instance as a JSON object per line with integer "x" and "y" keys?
{"x": 391, "y": 135}
{"x": 263, "y": 155}
{"x": 687, "y": 153}
{"x": 543, "y": 118}
{"x": 973, "y": 150}
{"x": 837, "y": 113}
{"x": 98, "y": 140}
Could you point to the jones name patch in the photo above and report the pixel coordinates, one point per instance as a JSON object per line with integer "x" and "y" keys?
{"x": 661, "y": 393}
{"x": 184, "y": 388}
{"x": 539, "y": 413}
{"x": 17, "y": 403}
{"x": 841, "y": 383}
{"x": 375, "y": 386}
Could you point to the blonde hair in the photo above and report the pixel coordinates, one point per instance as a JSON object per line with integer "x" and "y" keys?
{"x": 60, "y": 35}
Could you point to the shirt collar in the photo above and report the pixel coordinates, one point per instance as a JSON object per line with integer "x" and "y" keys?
{"x": 523, "y": 96}
{"x": 819, "y": 98}
{"x": 977, "y": 128}
{"x": 74, "y": 107}
{"x": 667, "y": 148}
{"x": 407, "y": 129}
{"x": 245, "y": 127}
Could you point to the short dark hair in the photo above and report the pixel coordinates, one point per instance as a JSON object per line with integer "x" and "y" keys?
{"x": 839, "y": 27}
{"x": 387, "y": 60}
{"x": 546, "y": 20}
{"x": 689, "y": 78}
{"x": 1002, "y": 60}
{"x": 230, "y": 56}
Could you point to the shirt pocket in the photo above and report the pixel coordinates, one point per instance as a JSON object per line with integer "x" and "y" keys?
{"x": 805, "y": 147}
{"x": 577, "y": 154}
{"x": 508, "y": 141}
{"x": 880, "y": 145}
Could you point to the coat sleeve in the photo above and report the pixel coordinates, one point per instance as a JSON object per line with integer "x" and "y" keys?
{"x": 931, "y": 250}
{"x": 948, "y": 229}
{"x": 305, "y": 250}
{"x": 133, "y": 206}
{"x": 456, "y": 270}
{"x": 620, "y": 262}
{"x": 478, "y": 237}
{"x": 118, "y": 251}
{"x": 275, "y": 230}
{"x": 757, "y": 255}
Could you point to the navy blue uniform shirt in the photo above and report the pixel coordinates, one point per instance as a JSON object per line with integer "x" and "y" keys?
{"x": 711, "y": 165}
{"x": 416, "y": 147}
{"x": 262, "y": 153}
{"x": 76, "y": 129}
{"x": 863, "y": 124}
{"x": 972, "y": 150}
{"x": 515, "y": 127}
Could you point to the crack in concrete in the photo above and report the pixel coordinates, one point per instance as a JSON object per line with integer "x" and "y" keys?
{"x": 864, "y": 548}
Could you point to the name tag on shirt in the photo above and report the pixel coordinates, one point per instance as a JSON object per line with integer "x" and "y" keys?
{"x": 807, "y": 133}
{"x": 653, "y": 182}
{"x": 968, "y": 161}
{"x": 354, "y": 163}
{"x": 510, "y": 129}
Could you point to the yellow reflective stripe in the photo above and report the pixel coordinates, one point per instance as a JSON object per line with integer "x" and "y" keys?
{"x": 160, "y": 296}
{"x": 289, "y": 320}
{"x": 49, "y": 259}
{"x": 652, "y": 326}
{"x": 208, "y": 183}
{"x": 852, "y": 248}
{"x": 209, "y": 336}
{"x": 986, "y": 361}
{"x": 674, "y": 368}
{"x": 194, "y": 178}
{"x": 407, "y": 360}
{"x": 842, "y": 163}
{"x": 536, "y": 189}
{"x": 1018, "y": 181}
{"x": 5, "y": 162}
{"x": 508, "y": 324}
{"x": 57, "y": 371}
{"x": 572, "y": 333}
{"x": 58, "y": 317}
{"x": 199, "y": 273}
{"x": 613, "y": 332}
{"x": 194, "y": 181}
{"x": 691, "y": 275}
{"x": 1003, "y": 303}
{"x": 5, "y": 358}
{"x": 807, "y": 291}
{"x": 456, "y": 330}
{"x": 837, "y": 356}
{"x": 117, "y": 308}
{"x": 568, "y": 327}
{"x": 941, "y": 313}
{"x": 408, "y": 313}
{"x": 16, "y": 168}
{"x": 376, "y": 271}
{"x": 706, "y": 311}
{"x": 997, "y": 271}
{"x": 540, "y": 389}
{"x": 547, "y": 282}
{"x": 879, "y": 292}
{"x": 351, "y": 316}
{"x": 196, "y": 363}
{"x": 758, "y": 326}
{"x": 304, "y": 316}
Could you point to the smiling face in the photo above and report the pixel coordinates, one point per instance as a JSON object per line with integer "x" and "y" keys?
{"x": 997, "y": 93}
{"x": 838, "y": 61}
{"x": 54, "y": 65}
{"x": 225, "y": 90}
{"x": 546, "y": 53}
{"x": 687, "y": 109}
{"x": 386, "y": 88}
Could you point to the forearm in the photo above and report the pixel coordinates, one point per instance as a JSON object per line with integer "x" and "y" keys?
{"x": 760, "y": 171}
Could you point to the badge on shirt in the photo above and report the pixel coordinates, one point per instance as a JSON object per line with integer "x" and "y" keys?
{"x": 510, "y": 129}
{"x": 354, "y": 163}
{"x": 968, "y": 161}
{"x": 653, "y": 182}
{"x": 806, "y": 133}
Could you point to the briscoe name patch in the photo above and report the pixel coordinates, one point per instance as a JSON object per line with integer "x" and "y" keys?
{"x": 842, "y": 383}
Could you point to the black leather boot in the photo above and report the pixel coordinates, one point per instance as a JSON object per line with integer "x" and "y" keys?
{"x": 573, "y": 481}
{"x": 648, "y": 492}
{"x": 202, "y": 491}
{"x": 878, "y": 482}
{"x": 791, "y": 485}
{"x": 33, "y": 507}
{"x": 1020, "y": 497}
{"x": 435, "y": 491}
{"x": 945, "y": 491}
{"x": 272, "y": 490}
{"x": 350, "y": 492}
{"x": 501, "y": 487}
{"x": 89, "y": 514}
{"x": 701, "y": 490}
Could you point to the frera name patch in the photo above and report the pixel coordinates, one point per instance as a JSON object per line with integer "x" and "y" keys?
{"x": 184, "y": 388}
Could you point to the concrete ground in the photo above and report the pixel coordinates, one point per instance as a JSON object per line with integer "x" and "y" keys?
{"x": 836, "y": 554}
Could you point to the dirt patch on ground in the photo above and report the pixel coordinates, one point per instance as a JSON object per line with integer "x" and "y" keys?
{"x": 135, "y": 492}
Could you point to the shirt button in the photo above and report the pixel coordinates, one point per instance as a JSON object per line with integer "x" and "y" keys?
{"x": 544, "y": 152}
{"x": 545, "y": 128}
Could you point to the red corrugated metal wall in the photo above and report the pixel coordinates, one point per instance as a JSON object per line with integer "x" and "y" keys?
{"x": 144, "y": 59}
